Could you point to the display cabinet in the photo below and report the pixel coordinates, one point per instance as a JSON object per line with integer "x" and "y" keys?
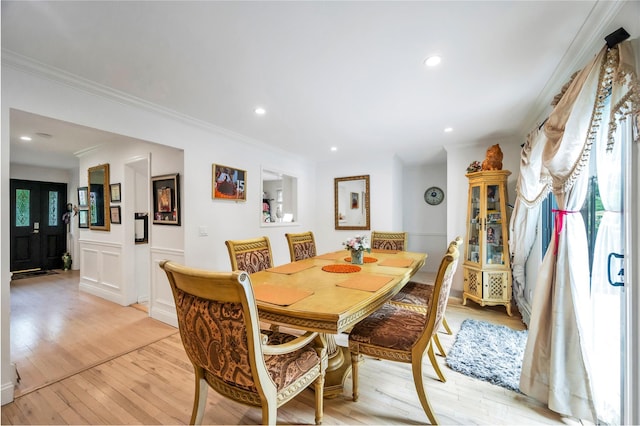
{"x": 487, "y": 268}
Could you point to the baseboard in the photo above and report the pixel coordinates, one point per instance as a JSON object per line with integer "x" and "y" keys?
{"x": 7, "y": 392}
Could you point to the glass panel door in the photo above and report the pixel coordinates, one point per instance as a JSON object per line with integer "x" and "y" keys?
{"x": 494, "y": 253}
{"x": 474, "y": 226}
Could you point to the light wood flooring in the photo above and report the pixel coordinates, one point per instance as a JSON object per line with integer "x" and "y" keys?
{"x": 84, "y": 360}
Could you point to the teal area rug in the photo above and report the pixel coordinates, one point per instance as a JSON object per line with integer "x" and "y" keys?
{"x": 488, "y": 352}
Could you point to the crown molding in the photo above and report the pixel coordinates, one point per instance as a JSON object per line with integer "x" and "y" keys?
{"x": 586, "y": 44}
{"x": 28, "y": 65}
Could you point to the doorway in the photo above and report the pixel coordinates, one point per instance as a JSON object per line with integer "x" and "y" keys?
{"x": 38, "y": 230}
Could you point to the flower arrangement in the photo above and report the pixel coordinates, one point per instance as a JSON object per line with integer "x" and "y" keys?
{"x": 475, "y": 166}
{"x": 357, "y": 243}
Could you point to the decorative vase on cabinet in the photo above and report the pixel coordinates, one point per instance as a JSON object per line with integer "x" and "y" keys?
{"x": 487, "y": 268}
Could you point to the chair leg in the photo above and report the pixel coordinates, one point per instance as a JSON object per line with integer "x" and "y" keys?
{"x": 319, "y": 390}
{"x": 356, "y": 359}
{"x": 200, "y": 397}
{"x": 416, "y": 367}
{"x": 269, "y": 412}
{"x": 436, "y": 366}
{"x": 441, "y": 350}
{"x": 445, "y": 324}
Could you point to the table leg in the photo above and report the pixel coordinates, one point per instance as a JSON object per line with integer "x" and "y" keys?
{"x": 338, "y": 369}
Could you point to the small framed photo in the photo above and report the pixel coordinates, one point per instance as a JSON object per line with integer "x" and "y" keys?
{"x": 83, "y": 218}
{"x": 355, "y": 200}
{"x": 115, "y": 192}
{"x": 166, "y": 199}
{"x": 115, "y": 214}
{"x": 83, "y": 196}
{"x": 228, "y": 183}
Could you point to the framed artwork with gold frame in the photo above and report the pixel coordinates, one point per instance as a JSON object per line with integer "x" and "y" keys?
{"x": 166, "y": 199}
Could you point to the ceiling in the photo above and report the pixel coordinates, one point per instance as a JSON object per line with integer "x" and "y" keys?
{"x": 328, "y": 73}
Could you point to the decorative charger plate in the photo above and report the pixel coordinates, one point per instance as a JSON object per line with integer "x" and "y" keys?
{"x": 341, "y": 269}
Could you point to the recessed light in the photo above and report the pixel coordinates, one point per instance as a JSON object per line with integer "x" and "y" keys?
{"x": 448, "y": 129}
{"x": 25, "y": 138}
{"x": 432, "y": 61}
{"x": 260, "y": 111}
{"x": 334, "y": 148}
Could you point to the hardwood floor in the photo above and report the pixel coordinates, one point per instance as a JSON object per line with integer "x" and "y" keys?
{"x": 135, "y": 371}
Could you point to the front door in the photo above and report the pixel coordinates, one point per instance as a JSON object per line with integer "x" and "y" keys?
{"x": 38, "y": 231}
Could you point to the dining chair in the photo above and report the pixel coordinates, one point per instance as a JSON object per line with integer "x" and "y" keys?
{"x": 415, "y": 295}
{"x": 389, "y": 240}
{"x": 218, "y": 323}
{"x": 252, "y": 255}
{"x": 301, "y": 246}
{"x": 403, "y": 335}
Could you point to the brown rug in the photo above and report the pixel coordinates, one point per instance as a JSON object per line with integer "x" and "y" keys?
{"x": 22, "y": 275}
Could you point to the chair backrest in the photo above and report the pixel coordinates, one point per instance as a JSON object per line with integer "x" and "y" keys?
{"x": 301, "y": 246}
{"x": 389, "y": 240}
{"x": 218, "y": 322}
{"x": 251, "y": 255}
{"x": 441, "y": 288}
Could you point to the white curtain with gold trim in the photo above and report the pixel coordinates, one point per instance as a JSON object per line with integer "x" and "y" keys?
{"x": 558, "y": 357}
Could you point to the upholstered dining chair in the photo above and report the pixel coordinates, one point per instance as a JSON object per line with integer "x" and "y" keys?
{"x": 301, "y": 246}
{"x": 218, "y": 323}
{"x": 402, "y": 335}
{"x": 252, "y": 255}
{"x": 389, "y": 240}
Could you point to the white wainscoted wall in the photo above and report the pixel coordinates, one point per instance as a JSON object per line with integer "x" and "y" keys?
{"x": 162, "y": 306}
{"x": 101, "y": 271}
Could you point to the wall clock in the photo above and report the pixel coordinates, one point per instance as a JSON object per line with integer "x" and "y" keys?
{"x": 434, "y": 195}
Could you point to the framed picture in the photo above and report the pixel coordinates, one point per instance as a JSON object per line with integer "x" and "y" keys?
{"x": 83, "y": 196}
{"x": 355, "y": 197}
{"x": 166, "y": 199}
{"x": 115, "y": 192}
{"x": 115, "y": 214}
{"x": 228, "y": 183}
{"x": 83, "y": 218}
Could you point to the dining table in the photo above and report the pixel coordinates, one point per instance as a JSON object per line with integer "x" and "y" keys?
{"x": 329, "y": 295}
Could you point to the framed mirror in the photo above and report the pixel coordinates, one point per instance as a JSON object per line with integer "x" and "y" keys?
{"x": 279, "y": 205}
{"x": 99, "y": 197}
{"x": 352, "y": 202}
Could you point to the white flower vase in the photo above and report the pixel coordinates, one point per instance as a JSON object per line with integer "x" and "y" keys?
{"x": 357, "y": 257}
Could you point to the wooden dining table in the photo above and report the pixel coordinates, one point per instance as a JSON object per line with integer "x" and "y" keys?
{"x": 307, "y": 295}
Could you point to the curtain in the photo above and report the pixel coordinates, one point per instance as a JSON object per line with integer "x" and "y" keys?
{"x": 531, "y": 188}
{"x": 558, "y": 357}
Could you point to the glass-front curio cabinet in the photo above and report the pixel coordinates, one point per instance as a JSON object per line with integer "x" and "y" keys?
{"x": 487, "y": 269}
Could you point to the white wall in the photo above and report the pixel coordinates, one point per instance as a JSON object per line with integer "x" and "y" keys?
{"x": 385, "y": 185}
{"x": 426, "y": 224}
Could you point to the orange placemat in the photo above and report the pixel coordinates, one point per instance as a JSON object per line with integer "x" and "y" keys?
{"x": 278, "y": 295}
{"x": 342, "y": 269}
{"x": 383, "y": 251}
{"x": 330, "y": 256}
{"x": 401, "y": 262}
{"x": 366, "y": 282}
{"x": 291, "y": 268}
{"x": 365, "y": 259}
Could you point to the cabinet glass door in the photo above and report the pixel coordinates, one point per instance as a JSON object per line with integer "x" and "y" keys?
{"x": 474, "y": 226}
{"x": 494, "y": 250}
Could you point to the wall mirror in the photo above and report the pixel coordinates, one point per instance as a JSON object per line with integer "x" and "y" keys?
{"x": 99, "y": 198}
{"x": 279, "y": 198}
{"x": 352, "y": 202}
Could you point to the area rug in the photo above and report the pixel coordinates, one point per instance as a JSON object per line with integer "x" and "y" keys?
{"x": 488, "y": 352}
{"x": 31, "y": 274}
